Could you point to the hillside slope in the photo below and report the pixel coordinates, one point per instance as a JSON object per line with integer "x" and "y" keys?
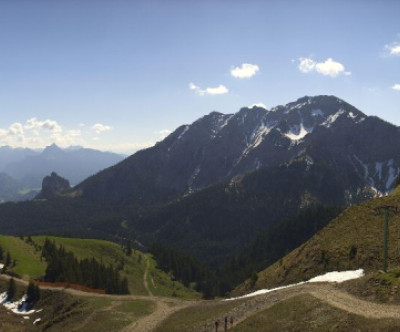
{"x": 353, "y": 240}
{"x": 29, "y": 264}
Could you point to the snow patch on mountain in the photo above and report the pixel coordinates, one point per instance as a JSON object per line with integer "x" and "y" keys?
{"x": 334, "y": 276}
{"x": 183, "y": 132}
{"x": 297, "y": 132}
{"x": 392, "y": 174}
{"x": 18, "y": 307}
{"x": 317, "y": 112}
{"x": 378, "y": 169}
{"x": 259, "y": 105}
{"x": 332, "y": 118}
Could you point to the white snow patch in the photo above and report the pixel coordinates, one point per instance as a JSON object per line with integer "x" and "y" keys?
{"x": 1, "y": 266}
{"x": 366, "y": 173}
{"x": 26, "y": 317}
{"x": 334, "y": 276}
{"x": 260, "y": 105}
{"x": 332, "y": 118}
{"x": 378, "y": 169}
{"x": 184, "y": 131}
{"x": 256, "y": 137}
{"x": 38, "y": 320}
{"x": 351, "y": 115}
{"x": 392, "y": 174}
{"x": 317, "y": 112}
{"x": 225, "y": 121}
{"x": 297, "y": 132}
{"x": 17, "y": 307}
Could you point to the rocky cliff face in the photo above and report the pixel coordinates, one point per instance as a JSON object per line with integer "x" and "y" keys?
{"x": 53, "y": 186}
{"x": 218, "y": 147}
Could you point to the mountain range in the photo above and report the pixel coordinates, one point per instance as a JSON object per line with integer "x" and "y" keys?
{"x": 362, "y": 149}
{"x": 211, "y": 187}
{"x": 22, "y": 170}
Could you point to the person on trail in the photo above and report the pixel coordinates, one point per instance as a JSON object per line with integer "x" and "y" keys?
{"x": 226, "y": 323}
{"x": 216, "y": 325}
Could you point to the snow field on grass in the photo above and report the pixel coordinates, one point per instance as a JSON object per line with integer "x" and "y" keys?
{"x": 334, "y": 276}
{"x": 17, "y": 307}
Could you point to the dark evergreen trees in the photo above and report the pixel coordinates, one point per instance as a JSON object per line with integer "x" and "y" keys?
{"x": 32, "y": 294}
{"x": 7, "y": 262}
{"x": 63, "y": 266}
{"x": 186, "y": 270}
{"x": 10, "y": 289}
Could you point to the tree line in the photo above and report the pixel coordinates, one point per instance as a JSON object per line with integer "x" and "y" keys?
{"x": 269, "y": 246}
{"x": 63, "y": 266}
{"x": 186, "y": 269}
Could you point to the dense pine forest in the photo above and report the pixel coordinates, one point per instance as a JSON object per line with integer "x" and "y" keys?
{"x": 65, "y": 267}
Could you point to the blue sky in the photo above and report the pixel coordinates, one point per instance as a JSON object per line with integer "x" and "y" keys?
{"x": 119, "y": 75}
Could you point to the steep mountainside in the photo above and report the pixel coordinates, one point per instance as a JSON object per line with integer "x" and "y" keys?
{"x": 353, "y": 240}
{"x": 218, "y": 147}
{"x": 209, "y": 188}
{"x": 53, "y": 186}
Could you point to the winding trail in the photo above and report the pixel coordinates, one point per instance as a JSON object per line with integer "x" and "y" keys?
{"x": 146, "y": 271}
{"x": 325, "y": 292}
{"x": 165, "y": 307}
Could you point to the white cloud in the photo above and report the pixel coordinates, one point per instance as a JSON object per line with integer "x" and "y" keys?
{"x": 163, "y": 133}
{"x": 246, "y": 70}
{"x": 328, "y": 68}
{"x": 396, "y": 87}
{"x": 100, "y": 128}
{"x": 261, "y": 105}
{"x": 50, "y": 125}
{"x": 14, "y": 134}
{"x": 37, "y": 134}
{"x": 394, "y": 49}
{"x": 306, "y": 65}
{"x": 219, "y": 90}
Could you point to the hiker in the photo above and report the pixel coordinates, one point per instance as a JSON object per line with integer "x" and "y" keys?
{"x": 226, "y": 323}
{"x": 216, "y": 325}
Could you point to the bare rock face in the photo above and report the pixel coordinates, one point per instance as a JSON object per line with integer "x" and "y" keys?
{"x": 53, "y": 186}
{"x": 361, "y": 150}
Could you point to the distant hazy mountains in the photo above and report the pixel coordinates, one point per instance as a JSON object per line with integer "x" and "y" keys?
{"x": 22, "y": 170}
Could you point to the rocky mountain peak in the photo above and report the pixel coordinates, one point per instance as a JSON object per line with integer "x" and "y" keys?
{"x": 53, "y": 186}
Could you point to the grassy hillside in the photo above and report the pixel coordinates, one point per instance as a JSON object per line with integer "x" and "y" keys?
{"x": 62, "y": 312}
{"x": 29, "y": 264}
{"x": 353, "y": 240}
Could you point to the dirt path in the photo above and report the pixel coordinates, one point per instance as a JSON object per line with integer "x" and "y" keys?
{"x": 146, "y": 285}
{"x": 324, "y": 292}
{"x": 163, "y": 310}
{"x": 245, "y": 307}
{"x": 93, "y": 315}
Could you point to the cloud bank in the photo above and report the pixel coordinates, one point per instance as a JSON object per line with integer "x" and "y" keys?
{"x": 219, "y": 90}
{"x": 327, "y": 68}
{"x": 246, "y": 70}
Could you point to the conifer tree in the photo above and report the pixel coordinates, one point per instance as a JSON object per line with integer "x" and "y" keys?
{"x": 8, "y": 259}
{"x": 10, "y": 289}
